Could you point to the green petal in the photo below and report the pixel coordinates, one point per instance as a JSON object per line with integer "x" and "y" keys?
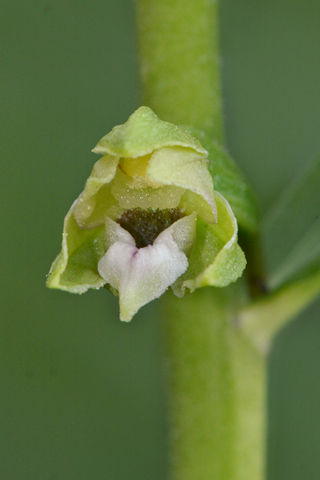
{"x": 142, "y": 134}
{"x": 185, "y": 169}
{"x": 216, "y": 258}
{"x": 75, "y": 268}
{"x": 129, "y": 194}
{"x": 229, "y": 181}
{"x": 90, "y": 209}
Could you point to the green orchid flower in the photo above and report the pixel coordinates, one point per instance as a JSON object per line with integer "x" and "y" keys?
{"x": 148, "y": 219}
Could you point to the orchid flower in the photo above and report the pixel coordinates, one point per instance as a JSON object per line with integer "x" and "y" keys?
{"x": 148, "y": 219}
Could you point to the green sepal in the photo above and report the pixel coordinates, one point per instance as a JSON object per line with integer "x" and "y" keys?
{"x": 216, "y": 259}
{"x": 143, "y": 133}
{"x": 229, "y": 181}
{"x": 90, "y": 208}
{"x": 75, "y": 268}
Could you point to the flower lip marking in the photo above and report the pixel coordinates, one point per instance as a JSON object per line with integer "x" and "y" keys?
{"x": 146, "y": 224}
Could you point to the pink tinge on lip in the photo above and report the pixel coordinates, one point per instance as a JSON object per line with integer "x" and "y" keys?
{"x": 141, "y": 274}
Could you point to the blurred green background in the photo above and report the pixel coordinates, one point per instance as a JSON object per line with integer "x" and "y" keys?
{"x": 81, "y": 394}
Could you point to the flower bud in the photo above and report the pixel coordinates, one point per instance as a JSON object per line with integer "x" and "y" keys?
{"x": 148, "y": 219}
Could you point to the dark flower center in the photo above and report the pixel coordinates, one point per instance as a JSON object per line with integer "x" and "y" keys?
{"x": 146, "y": 225}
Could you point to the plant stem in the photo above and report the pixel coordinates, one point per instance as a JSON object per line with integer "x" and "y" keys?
{"x": 216, "y": 375}
{"x": 179, "y": 62}
{"x": 216, "y": 390}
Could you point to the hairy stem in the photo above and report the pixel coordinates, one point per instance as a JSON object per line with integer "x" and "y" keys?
{"x": 216, "y": 390}
{"x": 179, "y": 62}
{"x": 216, "y": 375}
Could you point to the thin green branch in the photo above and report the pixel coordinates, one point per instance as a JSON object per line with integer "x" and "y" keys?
{"x": 261, "y": 320}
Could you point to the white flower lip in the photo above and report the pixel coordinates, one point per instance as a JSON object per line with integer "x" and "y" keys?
{"x": 143, "y": 274}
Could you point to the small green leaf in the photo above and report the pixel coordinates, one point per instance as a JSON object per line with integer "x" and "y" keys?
{"x": 229, "y": 181}
{"x": 292, "y": 228}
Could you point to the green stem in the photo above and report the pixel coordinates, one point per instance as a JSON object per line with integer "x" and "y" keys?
{"x": 217, "y": 377}
{"x": 179, "y": 62}
{"x": 217, "y": 390}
